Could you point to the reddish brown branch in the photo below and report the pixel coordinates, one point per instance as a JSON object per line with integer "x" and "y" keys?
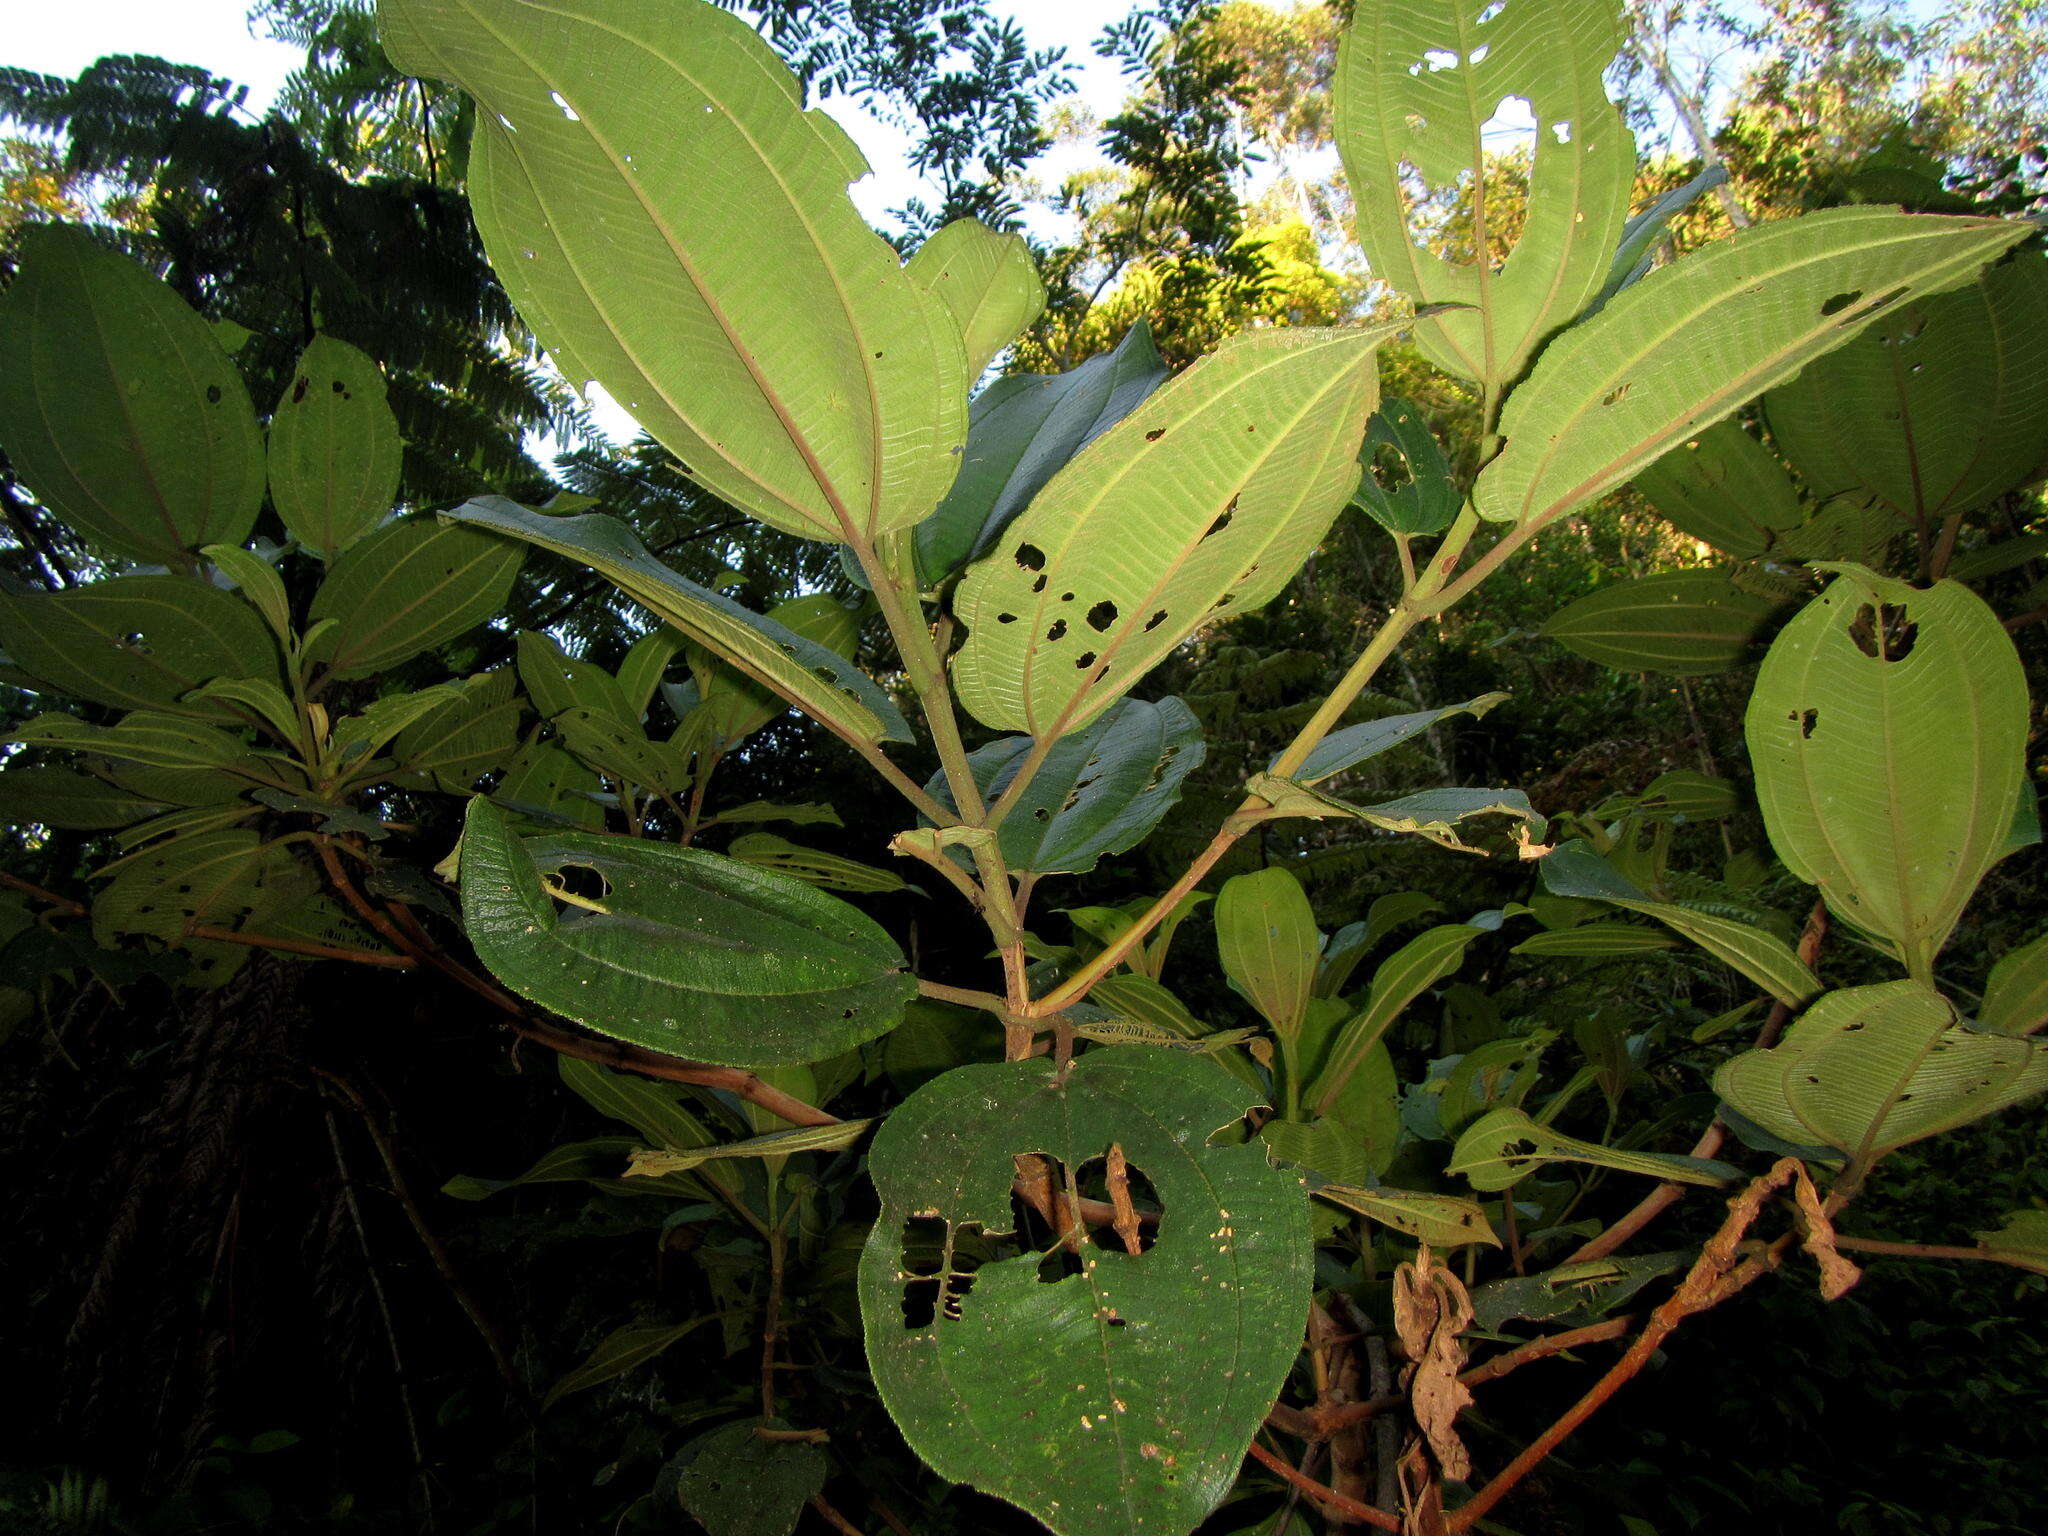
{"x": 62, "y": 903}
{"x": 1326, "y": 1497}
{"x": 300, "y": 947}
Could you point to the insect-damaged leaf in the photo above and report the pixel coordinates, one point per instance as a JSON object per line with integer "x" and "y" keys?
{"x": 118, "y": 407}
{"x": 1724, "y": 488}
{"x": 1100, "y": 791}
{"x": 988, "y": 283}
{"x": 1619, "y": 390}
{"x": 1867, "y": 1069}
{"x": 1205, "y": 499}
{"x": 334, "y": 450}
{"x": 1504, "y": 1146}
{"x": 1431, "y": 813}
{"x": 1417, "y": 82}
{"x": 1887, "y": 729}
{"x": 818, "y": 681}
{"x": 675, "y": 227}
{"x": 408, "y": 587}
{"x": 733, "y": 1482}
{"x": 1120, "y": 1398}
{"x": 1407, "y": 487}
{"x": 1442, "y": 1221}
{"x": 1022, "y": 429}
{"x": 685, "y": 952}
{"x": 1680, "y": 623}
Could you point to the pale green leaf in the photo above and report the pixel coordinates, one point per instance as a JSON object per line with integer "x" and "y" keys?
{"x": 1266, "y": 936}
{"x": 764, "y": 850}
{"x": 988, "y": 283}
{"x": 1724, "y": 488}
{"x": 1504, "y": 1146}
{"x": 258, "y": 582}
{"x": 1204, "y": 500}
{"x": 1402, "y": 977}
{"x": 1679, "y": 623}
{"x": 118, "y": 407}
{"x": 408, "y": 587}
{"x": 650, "y": 1162}
{"x": 2016, "y": 996}
{"x": 2023, "y": 1240}
{"x": 1442, "y": 1221}
{"x": 674, "y": 226}
{"x": 1120, "y": 1398}
{"x": 1434, "y": 814}
{"x": 334, "y": 449}
{"x": 358, "y": 737}
{"x": 1616, "y": 393}
{"x": 1597, "y": 941}
{"x": 597, "y": 1161}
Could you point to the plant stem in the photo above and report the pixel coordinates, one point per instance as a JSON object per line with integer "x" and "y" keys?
{"x": 1328, "y": 1498}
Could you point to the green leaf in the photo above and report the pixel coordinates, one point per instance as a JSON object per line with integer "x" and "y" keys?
{"x": 58, "y": 797}
{"x": 258, "y": 582}
{"x": 334, "y": 448}
{"x": 1022, "y": 430}
{"x": 1120, "y": 1398}
{"x": 836, "y": 1137}
{"x": 1415, "y": 86}
{"x": 118, "y": 407}
{"x": 1504, "y": 1146}
{"x": 1402, "y": 977}
{"x": 2023, "y": 1240}
{"x": 1620, "y": 390}
{"x": 1434, "y": 814}
{"x": 467, "y": 736}
{"x": 1442, "y": 1221}
{"x": 1724, "y": 488}
{"x": 1887, "y": 729}
{"x": 1098, "y": 792}
{"x": 1643, "y": 232}
{"x": 764, "y": 850}
{"x": 988, "y": 283}
{"x": 813, "y": 678}
{"x": 557, "y": 682}
{"x": 761, "y": 810}
{"x": 674, "y": 226}
{"x": 692, "y": 954}
{"x": 358, "y": 737}
{"x": 645, "y": 666}
{"x": 1407, "y": 487}
{"x": 1679, "y": 623}
{"x": 734, "y": 1483}
{"x": 1937, "y": 408}
{"x": 1869, "y": 1069}
{"x": 546, "y": 783}
{"x": 1351, "y": 943}
{"x": 620, "y": 1352}
{"x": 408, "y": 587}
{"x": 1346, "y": 749}
{"x": 213, "y": 879}
{"x": 1575, "y": 871}
{"x": 658, "y": 1110}
{"x": 735, "y": 706}
{"x": 622, "y": 753}
{"x": 139, "y": 642}
{"x": 1206, "y": 498}
{"x": 1266, "y": 936}
{"x": 2016, "y": 996}
{"x": 159, "y": 741}
{"x": 1686, "y": 795}
{"x": 597, "y": 1161}
{"x": 1597, "y": 941}
{"x": 1571, "y": 1295}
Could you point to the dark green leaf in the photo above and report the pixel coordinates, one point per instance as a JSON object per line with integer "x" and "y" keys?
{"x": 1680, "y": 623}
{"x": 1407, "y": 487}
{"x": 408, "y": 587}
{"x": 1347, "y": 748}
{"x": 334, "y": 449}
{"x": 734, "y": 1483}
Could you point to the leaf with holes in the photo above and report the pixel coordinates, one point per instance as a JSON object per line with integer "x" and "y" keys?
{"x": 1266, "y": 937}
{"x": 732, "y": 1482}
{"x": 408, "y": 587}
{"x": 119, "y": 409}
{"x": 1121, "y": 1397}
{"x": 685, "y": 952}
{"x": 1407, "y": 487}
{"x": 1619, "y": 391}
{"x": 1679, "y": 623}
{"x": 1724, "y": 488}
{"x": 815, "y": 679}
{"x": 988, "y": 283}
{"x": 2016, "y": 996}
{"x": 799, "y": 372}
{"x": 1442, "y": 1221}
{"x": 735, "y": 705}
{"x": 1869, "y": 1069}
{"x": 1205, "y": 499}
{"x": 334, "y": 449}
{"x": 1022, "y": 430}
{"x": 1416, "y": 87}
{"x": 1098, "y": 792}
{"x": 211, "y": 879}
{"x": 1887, "y": 730}
{"x": 1346, "y": 749}
{"x": 1434, "y": 814}
{"x": 139, "y": 642}
{"x": 1504, "y": 1146}
{"x": 1575, "y": 871}
{"x": 1937, "y": 408}
{"x": 466, "y": 737}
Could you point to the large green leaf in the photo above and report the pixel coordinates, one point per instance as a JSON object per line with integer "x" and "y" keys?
{"x": 334, "y": 449}
{"x": 1868, "y": 1069}
{"x": 213, "y": 878}
{"x": 465, "y": 737}
{"x": 2016, "y": 996}
{"x": 408, "y": 587}
{"x": 1504, "y": 1146}
{"x": 1120, "y": 1398}
{"x": 1417, "y": 82}
{"x": 154, "y": 740}
{"x": 1937, "y": 408}
{"x": 988, "y": 283}
{"x": 1724, "y": 488}
{"x": 687, "y": 952}
{"x": 1695, "y": 340}
{"x": 1022, "y": 429}
{"x": 1679, "y": 623}
{"x": 815, "y": 679}
{"x": 1266, "y": 937}
{"x": 557, "y": 682}
{"x": 1205, "y": 499}
{"x": 1887, "y": 730}
{"x": 1099, "y": 792}
{"x": 139, "y": 642}
{"x": 675, "y": 227}
{"x": 118, "y": 407}
{"x": 58, "y": 797}
{"x": 1575, "y": 871}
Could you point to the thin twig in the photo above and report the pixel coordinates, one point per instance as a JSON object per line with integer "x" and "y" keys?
{"x": 833, "y": 1518}
{"x": 308, "y": 947}
{"x": 1328, "y": 1498}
